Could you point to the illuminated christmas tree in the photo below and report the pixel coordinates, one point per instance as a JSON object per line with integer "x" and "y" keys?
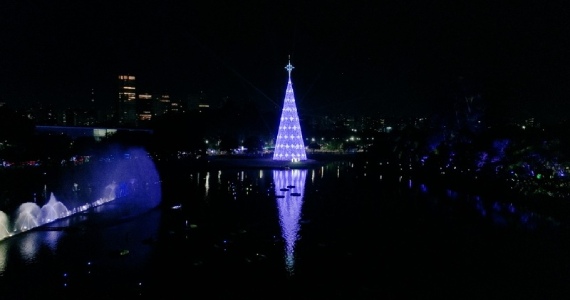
{"x": 289, "y": 145}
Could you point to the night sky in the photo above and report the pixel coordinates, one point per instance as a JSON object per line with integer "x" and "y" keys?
{"x": 386, "y": 58}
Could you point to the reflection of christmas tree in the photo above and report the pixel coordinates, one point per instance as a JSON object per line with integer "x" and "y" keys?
{"x": 289, "y": 204}
{"x": 289, "y": 144}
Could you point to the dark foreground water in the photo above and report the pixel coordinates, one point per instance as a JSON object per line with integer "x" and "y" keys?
{"x": 336, "y": 231}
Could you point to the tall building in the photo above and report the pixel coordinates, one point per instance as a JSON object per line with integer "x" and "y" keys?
{"x": 162, "y": 105}
{"x": 126, "y": 106}
{"x": 145, "y": 107}
{"x": 289, "y": 145}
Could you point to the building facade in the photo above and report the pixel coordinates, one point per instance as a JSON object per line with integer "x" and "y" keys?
{"x": 126, "y": 113}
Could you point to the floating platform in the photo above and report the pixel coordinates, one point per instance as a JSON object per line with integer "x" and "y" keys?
{"x": 259, "y": 163}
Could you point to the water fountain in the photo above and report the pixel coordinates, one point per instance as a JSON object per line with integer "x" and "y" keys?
{"x": 52, "y": 210}
{"x": 26, "y": 217}
{"x": 4, "y": 221}
{"x": 133, "y": 179}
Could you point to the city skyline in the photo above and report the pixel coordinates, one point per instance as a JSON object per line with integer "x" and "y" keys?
{"x": 390, "y": 58}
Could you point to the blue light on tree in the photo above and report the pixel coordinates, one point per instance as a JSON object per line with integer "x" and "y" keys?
{"x": 289, "y": 145}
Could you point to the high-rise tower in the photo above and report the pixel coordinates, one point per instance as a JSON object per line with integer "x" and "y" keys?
{"x": 126, "y": 106}
{"x": 289, "y": 145}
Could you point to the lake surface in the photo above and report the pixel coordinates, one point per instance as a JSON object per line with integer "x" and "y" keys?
{"x": 339, "y": 230}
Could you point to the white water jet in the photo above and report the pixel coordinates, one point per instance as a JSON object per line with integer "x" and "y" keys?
{"x": 27, "y": 216}
{"x": 52, "y": 211}
{"x": 110, "y": 192}
{"x": 4, "y": 224}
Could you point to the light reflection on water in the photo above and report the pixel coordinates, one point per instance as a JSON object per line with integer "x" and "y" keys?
{"x": 51, "y": 239}
{"x": 3, "y": 255}
{"x": 207, "y": 184}
{"x": 290, "y": 206}
{"x": 29, "y": 247}
{"x": 247, "y": 223}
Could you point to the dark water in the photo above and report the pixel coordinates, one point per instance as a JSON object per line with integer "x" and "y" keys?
{"x": 339, "y": 231}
